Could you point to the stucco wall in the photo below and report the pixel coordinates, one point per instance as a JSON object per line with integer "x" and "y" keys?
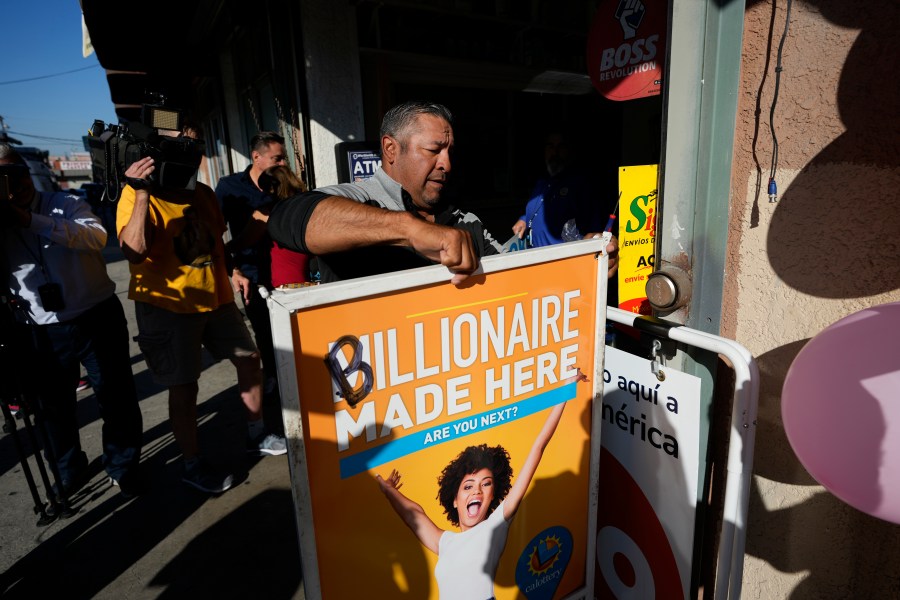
{"x": 827, "y": 248}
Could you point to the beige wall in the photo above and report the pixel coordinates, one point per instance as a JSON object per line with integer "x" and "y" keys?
{"x": 827, "y": 248}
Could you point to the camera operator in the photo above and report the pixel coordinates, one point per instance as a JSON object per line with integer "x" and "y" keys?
{"x": 69, "y": 313}
{"x": 172, "y": 238}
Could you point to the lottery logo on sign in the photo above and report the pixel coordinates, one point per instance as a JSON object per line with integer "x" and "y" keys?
{"x": 543, "y": 563}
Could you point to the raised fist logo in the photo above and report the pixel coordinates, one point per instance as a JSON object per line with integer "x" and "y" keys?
{"x": 630, "y": 13}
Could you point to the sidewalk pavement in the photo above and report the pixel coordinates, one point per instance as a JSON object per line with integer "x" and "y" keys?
{"x": 173, "y": 541}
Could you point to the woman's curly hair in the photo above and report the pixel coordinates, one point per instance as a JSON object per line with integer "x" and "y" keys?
{"x": 471, "y": 460}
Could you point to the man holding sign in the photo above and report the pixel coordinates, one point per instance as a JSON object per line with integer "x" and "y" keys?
{"x": 424, "y": 374}
{"x": 395, "y": 220}
{"x": 399, "y": 211}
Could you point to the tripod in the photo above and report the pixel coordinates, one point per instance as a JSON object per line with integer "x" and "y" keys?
{"x": 49, "y": 511}
{"x": 57, "y": 505}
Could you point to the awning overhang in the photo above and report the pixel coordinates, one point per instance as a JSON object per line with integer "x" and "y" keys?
{"x": 149, "y": 48}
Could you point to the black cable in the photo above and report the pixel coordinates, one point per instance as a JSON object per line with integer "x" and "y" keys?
{"x": 778, "y": 69}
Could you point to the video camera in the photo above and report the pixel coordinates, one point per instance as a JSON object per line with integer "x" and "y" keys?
{"x": 115, "y": 147}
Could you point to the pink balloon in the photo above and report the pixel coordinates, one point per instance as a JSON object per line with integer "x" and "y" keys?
{"x": 841, "y": 409}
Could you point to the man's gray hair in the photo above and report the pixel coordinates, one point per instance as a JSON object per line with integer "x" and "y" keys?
{"x": 398, "y": 119}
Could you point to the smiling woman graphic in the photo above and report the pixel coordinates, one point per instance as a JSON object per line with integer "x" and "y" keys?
{"x": 477, "y": 495}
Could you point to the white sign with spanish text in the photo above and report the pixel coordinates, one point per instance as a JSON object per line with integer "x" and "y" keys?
{"x": 649, "y": 468}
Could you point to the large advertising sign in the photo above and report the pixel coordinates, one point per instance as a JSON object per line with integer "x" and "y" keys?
{"x": 637, "y": 235}
{"x": 626, "y": 48}
{"x": 441, "y": 436}
{"x": 649, "y": 468}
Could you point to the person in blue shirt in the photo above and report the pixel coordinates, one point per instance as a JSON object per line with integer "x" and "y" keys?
{"x": 567, "y": 204}
{"x": 564, "y": 193}
{"x": 239, "y": 195}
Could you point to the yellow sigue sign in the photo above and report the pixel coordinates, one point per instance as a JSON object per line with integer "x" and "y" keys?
{"x": 637, "y": 235}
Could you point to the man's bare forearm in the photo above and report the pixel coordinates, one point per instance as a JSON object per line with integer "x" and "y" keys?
{"x": 326, "y": 225}
{"x": 135, "y": 237}
{"x": 340, "y": 224}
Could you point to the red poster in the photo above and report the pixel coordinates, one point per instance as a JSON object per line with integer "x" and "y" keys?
{"x": 626, "y": 48}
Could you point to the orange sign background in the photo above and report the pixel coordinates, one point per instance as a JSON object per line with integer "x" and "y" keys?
{"x": 451, "y": 367}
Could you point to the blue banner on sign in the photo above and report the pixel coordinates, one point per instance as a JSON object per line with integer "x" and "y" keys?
{"x": 369, "y": 459}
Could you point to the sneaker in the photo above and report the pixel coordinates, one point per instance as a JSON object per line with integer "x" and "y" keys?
{"x": 272, "y": 444}
{"x": 206, "y": 479}
{"x": 83, "y": 384}
{"x": 130, "y": 484}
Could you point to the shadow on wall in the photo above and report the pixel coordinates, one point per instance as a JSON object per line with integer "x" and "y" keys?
{"x": 818, "y": 535}
{"x": 833, "y": 233}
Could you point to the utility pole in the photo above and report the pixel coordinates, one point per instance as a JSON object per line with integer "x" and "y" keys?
{"x": 4, "y": 137}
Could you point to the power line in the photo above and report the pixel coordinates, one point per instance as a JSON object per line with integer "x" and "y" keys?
{"x": 48, "y": 76}
{"x": 43, "y": 137}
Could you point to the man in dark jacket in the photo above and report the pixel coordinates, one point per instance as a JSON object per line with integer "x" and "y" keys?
{"x": 239, "y": 195}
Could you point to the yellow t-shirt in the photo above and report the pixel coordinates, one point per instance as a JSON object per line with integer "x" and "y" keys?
{"x": 184, "y": 271}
